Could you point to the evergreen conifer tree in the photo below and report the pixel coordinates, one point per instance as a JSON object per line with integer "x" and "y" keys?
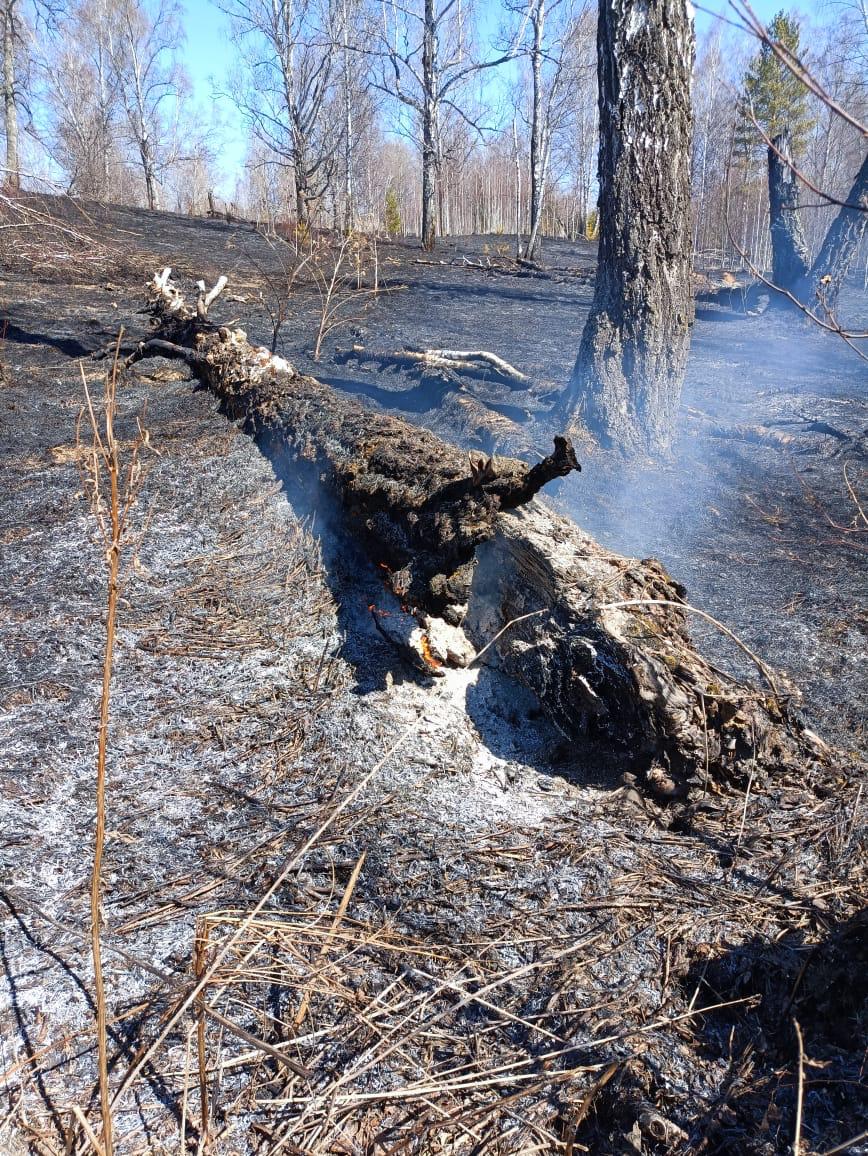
{"x": 777, "y": 100}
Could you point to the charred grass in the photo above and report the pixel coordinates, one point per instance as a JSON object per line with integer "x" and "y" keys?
{"x": 335, "y": 921}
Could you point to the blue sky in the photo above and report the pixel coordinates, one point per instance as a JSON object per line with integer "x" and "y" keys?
{"x": 210, "y": 57}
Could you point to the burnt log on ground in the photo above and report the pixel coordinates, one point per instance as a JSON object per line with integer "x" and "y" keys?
{"x": 602, "y": 640}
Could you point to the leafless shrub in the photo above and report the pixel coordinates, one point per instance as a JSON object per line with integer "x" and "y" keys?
{"x": 111, "y": 487}
{"x": 345, "y": 275}
{"x": 51, "y": 233}
{"x": 340, "y": 283}
{"x": 292, "y": 259}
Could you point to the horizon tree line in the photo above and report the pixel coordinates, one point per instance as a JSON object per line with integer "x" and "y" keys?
{"x": 348, "y": 102}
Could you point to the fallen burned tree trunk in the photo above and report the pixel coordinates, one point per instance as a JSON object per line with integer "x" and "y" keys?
{"x": 602, "y": 640}
{"x": 422, "y": 505}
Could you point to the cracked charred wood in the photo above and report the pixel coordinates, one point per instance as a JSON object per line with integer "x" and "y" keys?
{"x": 624, "y": 679}
{"x": 421, "y": 506}
{"x": 466, "y": 541}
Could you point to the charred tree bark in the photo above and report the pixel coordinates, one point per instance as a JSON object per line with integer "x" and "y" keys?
{"x": 626, "y": 384}
{"x": 602, "y": 640}
{"x": 429, "y": 127}
{"x": 790, "y": 260}
{"x": 823, "y": 283}
{"x": 422, "y": 507}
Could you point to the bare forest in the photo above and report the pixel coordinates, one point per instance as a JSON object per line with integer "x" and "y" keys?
{"x": 433, "y": 525}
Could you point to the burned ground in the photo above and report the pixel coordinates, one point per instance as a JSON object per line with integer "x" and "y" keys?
{"x": 533, "y": 957}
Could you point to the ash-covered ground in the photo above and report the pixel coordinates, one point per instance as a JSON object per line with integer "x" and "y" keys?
{"x": 525, "y": 959}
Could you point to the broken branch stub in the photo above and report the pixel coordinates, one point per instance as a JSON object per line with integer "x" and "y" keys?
{"x": 621, "y": 681}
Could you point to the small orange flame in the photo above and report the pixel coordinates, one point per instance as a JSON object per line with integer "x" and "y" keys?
{"x": 428, "y": 654}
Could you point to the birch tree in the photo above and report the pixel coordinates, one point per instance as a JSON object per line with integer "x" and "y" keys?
{"x": 83, "y": 94}
{"x": 11, "y": 37}
{"x": 289, "y": 90}
{"x": 144, "y": 41}
{"x": 626, "y": 384}
{"x": 558, "y": 74}
{"x": 424, "y": 60}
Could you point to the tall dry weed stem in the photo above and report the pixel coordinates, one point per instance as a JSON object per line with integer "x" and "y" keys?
{"x": 110, "y": 488}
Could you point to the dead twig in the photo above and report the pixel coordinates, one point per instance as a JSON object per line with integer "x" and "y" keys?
{"x": 341, "y": 912}
{"x": 800, "y": 1091}
{"x": 512, "y": 622}
{"x": 585, "y": 1106}
{"x": 200, "y": 949}
{"x": 852, "y": 493}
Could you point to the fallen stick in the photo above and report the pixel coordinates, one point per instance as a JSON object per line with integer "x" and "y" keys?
{"x": 475, "y": 362}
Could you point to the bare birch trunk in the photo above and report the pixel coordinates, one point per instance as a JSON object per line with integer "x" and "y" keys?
{"x": 517, "y": 159}
{"x": 151, "y": 187}
{"x": 429, "y": 128}
{"x": 349, "y": 206}
{"x": 537, "y": 145}
{"x": 10, "y": 108}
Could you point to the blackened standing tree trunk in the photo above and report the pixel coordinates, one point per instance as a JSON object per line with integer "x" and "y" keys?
{"x": 630, "y": 369}
{"x": 823, "y": 283}
{"x": 790, "y": 260}
{"x": 429, "y": 127}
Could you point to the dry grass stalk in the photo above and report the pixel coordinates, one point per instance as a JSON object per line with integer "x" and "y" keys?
{"x": 88, "y": 1131}
{"x": 200, "y": 949}
{"x": 846, "y": 1146}
{"x": 800, "y": 1091}
{"x": 585, "y": 1105}
{"x": 182, "y": 1146}
{"x": 341, "y": 912}
{"x": 292, "y": 863}
{"x": 758, "y": 662}
{"x": 111, "y": 494}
